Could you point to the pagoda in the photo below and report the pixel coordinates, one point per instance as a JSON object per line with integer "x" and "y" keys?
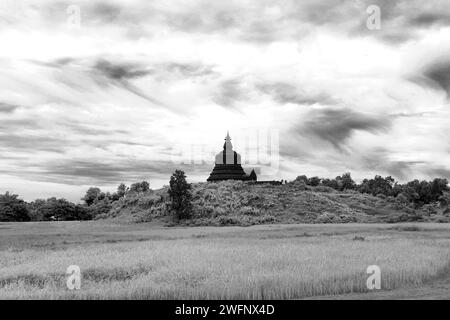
{"x": 228, "y": 165}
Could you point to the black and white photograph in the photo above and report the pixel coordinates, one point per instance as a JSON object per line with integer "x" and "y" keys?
{"x": 241, "y": 152}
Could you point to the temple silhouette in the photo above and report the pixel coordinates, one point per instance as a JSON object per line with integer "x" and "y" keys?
{"x": 228, "y": 165}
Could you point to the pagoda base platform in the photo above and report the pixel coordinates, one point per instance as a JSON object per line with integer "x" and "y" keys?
{"x": 227, "y": 172}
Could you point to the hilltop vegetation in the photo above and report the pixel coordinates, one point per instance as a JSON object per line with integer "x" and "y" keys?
{"x": 304, "y": 200}
{"x": 246, "y": 203}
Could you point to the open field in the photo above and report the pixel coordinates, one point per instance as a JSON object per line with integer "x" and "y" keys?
{"x": 148, "y": 261}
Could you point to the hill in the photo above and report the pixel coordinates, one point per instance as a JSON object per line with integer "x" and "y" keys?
{"x": 246, "y": 203}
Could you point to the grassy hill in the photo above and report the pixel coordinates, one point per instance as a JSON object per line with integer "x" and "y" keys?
{"x": 246, "y": 203}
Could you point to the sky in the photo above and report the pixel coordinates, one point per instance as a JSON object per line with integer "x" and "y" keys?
{"x": 95, "y": 93}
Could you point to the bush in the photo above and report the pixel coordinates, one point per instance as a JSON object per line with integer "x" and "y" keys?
{"x": 100, "y": 207}
{"x": 249, "y": 211}
{"x": 325, "y": 217}
{"x": 224, "y": 221}
{"x": 314, "y": 181}
{"x": 324, "y": 189}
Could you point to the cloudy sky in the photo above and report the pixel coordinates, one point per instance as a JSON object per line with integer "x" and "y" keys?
{"x": 131, "y": 90}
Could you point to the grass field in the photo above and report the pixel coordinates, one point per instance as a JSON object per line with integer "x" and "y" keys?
{"x": 147, "y": 261}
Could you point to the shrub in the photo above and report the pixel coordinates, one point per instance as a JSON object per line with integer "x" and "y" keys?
{"x": 224, "y": 221}
{"x": 249, "y": 211}
{"x": 100, "y": 207}
{"x": 219, "y": 211}
{"x": 325, "y": 217}
{"x": 324, "y": 189}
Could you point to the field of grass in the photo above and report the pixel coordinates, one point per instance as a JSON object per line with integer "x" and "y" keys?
{"x": 147, "y": 261}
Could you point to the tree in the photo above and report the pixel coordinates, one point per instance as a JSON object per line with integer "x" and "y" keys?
{"x": 424, "y": 192}
{"x": 100, "y": 207}
{"x": 60, "y": 210}
{"x": 122, "y": 190}
{"x": 340, "y": 183}
{"x": 380, "y": 185}
{"x": 332, "y": 183}
{"x": 397, "y": 189}
{"x": 252, "y": 176}
{"x": 139, "y": 187}
{"x": 180, "y": 195}
{"x": 302, "y": 178}
{"x": 34, "y": 209}
{"x": 347, "y": 181}
{"x": 12, "y": 208}
{"x": 91, "y": 195}
{"x": 314, "y": 181}
{"x": 438, "y": 186}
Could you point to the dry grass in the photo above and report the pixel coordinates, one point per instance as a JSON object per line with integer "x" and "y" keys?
{"x": 261, "y": 262}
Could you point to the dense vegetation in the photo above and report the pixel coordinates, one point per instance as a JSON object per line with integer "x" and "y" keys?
{"x": 95, "y": 202}
{"x": 417, "y": 192}
{"x": 308, "y": 200}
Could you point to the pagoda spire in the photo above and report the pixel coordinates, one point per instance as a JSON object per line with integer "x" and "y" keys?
{"x": 227, "y": 146}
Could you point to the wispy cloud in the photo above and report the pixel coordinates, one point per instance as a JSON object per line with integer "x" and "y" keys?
{"x": 287, "y": 93}
{"x": 113, "y": 99}
{"x": 7, "y": 107}
{"x": 336, "y": 126}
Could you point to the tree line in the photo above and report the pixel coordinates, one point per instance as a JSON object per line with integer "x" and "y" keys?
{"x": 418, "y": 192}
{"x": 96, "y": 202}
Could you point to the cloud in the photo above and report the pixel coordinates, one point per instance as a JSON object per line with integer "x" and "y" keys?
{"x": 438, "y": 72}
{"x": 104, "y": 12}
{"x": 336, "y": 126}
{"x": 120, "y": 74}
{"x": 8, "y": 108}
{"x": 56, "y": 63}
{"x": 427, "y": 19}
{"x": 89, "y": 172}
{"x": 120, "y": 71}
{"x": 189, "y": 69}
{"x": 287, "y": 93}
{"x": 90, "y": 130}
{"x": 12, "y": 125}
{"x": 108, "y": 101}
{"x": 439, "y": 172}
{"x": 411, "y": 114}
{"x": 30, "y": 143}
{"x": 399, "y": 169}
{"x": 229, "y": 93}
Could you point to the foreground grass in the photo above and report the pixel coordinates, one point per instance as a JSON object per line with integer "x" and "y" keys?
{"x": 261, "y": 262}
